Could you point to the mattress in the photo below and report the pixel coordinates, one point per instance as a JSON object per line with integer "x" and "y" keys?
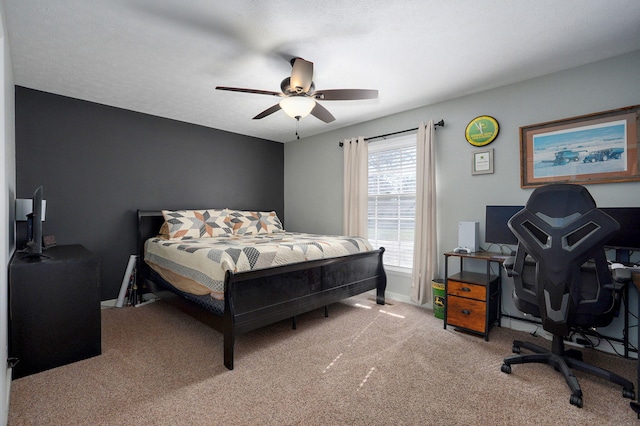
{"x": 198, "y": 266}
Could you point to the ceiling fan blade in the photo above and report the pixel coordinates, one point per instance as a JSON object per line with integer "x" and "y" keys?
{"x": 268, "y": 111}
{"x": 345, "y": 94}
{"x": 258, "y": 92}
{"x": 301, "y": 75}
{"x": 322, "y": 113}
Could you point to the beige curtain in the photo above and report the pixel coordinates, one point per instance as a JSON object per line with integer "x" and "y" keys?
{"x": 356, "y": 177}
{"x": 425, "y": 262}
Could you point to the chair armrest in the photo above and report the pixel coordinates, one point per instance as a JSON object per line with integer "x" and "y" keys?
{"x": 621, "y": 275}
{"x": 508, "y": 265}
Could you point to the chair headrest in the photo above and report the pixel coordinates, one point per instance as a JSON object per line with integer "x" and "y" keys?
{"x": 560, "y": 200}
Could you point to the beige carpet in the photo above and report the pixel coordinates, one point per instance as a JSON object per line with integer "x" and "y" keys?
{"x": 364, "y": 365}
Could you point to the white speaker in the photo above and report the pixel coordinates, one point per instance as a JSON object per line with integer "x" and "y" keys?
{"x": 468, "y": 236}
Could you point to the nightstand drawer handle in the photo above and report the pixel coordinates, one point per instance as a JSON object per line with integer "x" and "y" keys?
{"x": 465, "y": 289}
{"x": 466, "y": 312}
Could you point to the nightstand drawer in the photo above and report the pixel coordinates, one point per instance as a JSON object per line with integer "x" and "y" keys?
{"x": 472, "y": 291}
{"x": 466, "y": 313}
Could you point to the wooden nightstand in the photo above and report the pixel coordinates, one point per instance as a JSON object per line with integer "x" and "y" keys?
{"x": 473, "y": 299}
{"x": 54, "y": 309}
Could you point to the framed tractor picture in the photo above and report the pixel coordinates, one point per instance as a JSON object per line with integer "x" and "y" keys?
{"x": 596, "y": 148}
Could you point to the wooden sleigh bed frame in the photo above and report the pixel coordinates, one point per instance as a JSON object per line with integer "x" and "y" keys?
{"x": 258, "y": 298}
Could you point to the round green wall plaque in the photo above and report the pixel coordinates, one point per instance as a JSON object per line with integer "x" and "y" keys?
{"x": 482, "y": 130}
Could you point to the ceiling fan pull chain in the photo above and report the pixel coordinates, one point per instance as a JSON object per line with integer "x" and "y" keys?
{"x": 297, "y": 126}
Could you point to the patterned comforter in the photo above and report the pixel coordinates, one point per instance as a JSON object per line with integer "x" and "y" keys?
{"x": 198, "y": 266}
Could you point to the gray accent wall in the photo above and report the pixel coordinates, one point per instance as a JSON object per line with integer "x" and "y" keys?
{"x": 99, "y": 164}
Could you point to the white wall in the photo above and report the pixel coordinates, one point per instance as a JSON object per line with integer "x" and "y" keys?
{"x": 313, "y": 166}
{"x": 7, "y": 201}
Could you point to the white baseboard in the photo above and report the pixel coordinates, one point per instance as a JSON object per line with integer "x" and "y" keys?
{"x": 112, "y": 303}
{"x": 388, "y": 296}
{"x": 106, "y": 304}
{"x": 398, "y": 297}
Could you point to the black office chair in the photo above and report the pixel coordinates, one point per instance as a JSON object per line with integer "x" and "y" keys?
{"x": 561, "y": 276}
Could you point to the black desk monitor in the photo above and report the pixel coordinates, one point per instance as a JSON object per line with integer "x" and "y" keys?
{"x": 627, "y": 239}
{"x": 496, "y": 229}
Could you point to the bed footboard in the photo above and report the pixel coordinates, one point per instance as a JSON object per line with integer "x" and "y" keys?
{"x": 258, "y": 298}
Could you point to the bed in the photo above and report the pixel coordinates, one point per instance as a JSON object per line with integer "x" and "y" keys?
{"x": 250, "y": 299}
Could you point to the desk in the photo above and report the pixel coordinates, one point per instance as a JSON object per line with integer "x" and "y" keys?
{"x": 472, "y": 300}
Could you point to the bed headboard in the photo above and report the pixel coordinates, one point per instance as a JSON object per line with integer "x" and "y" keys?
{"x": 149, "y": 223}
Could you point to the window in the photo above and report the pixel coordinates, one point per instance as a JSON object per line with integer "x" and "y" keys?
{"x": 392, "y": 198}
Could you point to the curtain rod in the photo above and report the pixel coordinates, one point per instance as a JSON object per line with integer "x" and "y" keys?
{"x": 439, "y": 123}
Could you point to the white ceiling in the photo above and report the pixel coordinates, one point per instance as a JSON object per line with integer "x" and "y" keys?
{"x": 164, "y": 57}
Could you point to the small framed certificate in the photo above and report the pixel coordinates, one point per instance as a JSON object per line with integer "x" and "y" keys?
{"x": 482, "y": 162}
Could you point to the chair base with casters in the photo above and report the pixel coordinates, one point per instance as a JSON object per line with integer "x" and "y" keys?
{"x": 564, "y": 361}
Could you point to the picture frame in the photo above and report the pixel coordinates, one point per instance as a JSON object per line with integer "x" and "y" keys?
{"x": 596, "y": 148}
{"x": 482, "y": 162}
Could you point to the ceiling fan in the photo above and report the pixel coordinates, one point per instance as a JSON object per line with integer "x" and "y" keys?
{"x": 299, "y": 95}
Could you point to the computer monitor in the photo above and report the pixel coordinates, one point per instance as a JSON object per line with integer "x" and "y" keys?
{"x": 496, "y": 229}
{"x": 34, "y": 226}
{"x": 627, "y": 239}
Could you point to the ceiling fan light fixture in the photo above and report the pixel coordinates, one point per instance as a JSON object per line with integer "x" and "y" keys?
{"x": 298, "y": 95}
{"x": 297, "y": 106}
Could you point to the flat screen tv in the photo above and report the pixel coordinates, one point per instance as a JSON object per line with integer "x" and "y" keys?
{"x": 496, "y": 229}
{"x": 34, "y": 226}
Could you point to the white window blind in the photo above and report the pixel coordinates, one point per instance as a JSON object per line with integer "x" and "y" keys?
{"x": 392, "y": 198}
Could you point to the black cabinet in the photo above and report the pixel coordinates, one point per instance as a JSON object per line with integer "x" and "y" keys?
{"x": 54, "y": 309}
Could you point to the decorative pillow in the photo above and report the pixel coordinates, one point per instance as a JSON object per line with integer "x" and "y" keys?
{"x": 187, "y": 224}
{"x": 164, "y": 231}
{"x": 251, "y": 223}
